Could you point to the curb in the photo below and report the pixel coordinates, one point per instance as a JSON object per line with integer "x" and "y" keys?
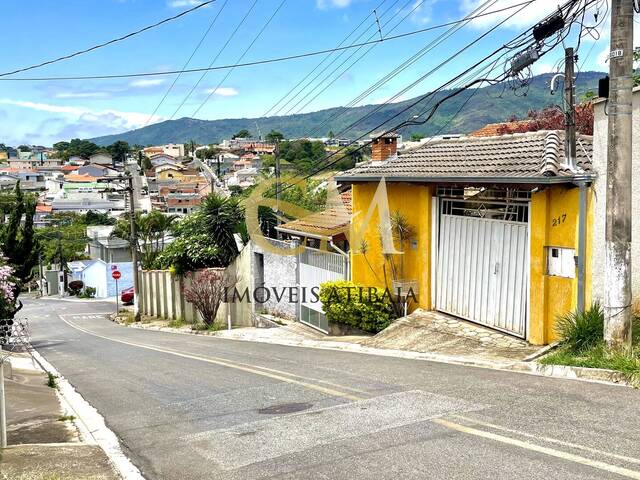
{"x": 91, "y": 425}
{"x": 593, "y": 375}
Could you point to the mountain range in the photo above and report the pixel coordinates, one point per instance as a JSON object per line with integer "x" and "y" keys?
{"x": 464, "y": 113}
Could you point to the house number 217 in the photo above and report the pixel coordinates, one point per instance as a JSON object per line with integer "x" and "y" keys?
{"x": 558, "y": 220}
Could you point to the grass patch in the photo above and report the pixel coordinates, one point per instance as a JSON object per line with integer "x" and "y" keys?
{"x": 66, "y": 418}
{"x": 126, "y": 317}
{"x": 582, "y": 345}
{"x": 203, "y": 327}
{"x": 52, "y": 380}
{"x": 178, "y": 323}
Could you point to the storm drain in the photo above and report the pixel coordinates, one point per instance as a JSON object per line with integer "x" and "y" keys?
{"x": 285, "y": 408}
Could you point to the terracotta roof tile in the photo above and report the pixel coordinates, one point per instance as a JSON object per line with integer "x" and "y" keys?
{"x": 327, "y": 223}
{"x": 522, "y": 155}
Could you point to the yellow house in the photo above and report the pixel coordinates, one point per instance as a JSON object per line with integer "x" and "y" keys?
{"x": 170, "y": 172}
{"x": 494, "y": 230}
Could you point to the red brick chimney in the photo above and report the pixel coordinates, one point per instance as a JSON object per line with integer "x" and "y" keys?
{"x": 383, "y": 146}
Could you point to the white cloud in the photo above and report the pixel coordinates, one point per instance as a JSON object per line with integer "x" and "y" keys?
{"x": 223, "y": 91}
{"x": 421, "y": 12}
{"x": 324, "y": 4}
{"x": 540, "y": 68}
{"x": 183, "y": 3}
{"x": 146, "y": 83}
{"x": 82, "y": 95}
{"x": 515, "y": 18}
{"x": 112, "y": 119}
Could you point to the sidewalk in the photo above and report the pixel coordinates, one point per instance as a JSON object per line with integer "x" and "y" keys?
{"x": 43, "y": 440}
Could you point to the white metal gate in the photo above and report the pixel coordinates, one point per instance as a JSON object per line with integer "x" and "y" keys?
{"x": 316, "y": 267}
{"x": 482, "y": 271}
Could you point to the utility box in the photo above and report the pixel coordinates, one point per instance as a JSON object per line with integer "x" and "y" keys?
{"x": 561, "y": 262}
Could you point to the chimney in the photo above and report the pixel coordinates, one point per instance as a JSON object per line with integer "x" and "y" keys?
{"x": 384, "y": 146}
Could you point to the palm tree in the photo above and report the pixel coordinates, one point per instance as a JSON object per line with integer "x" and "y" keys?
{"x": 223, "y": 218}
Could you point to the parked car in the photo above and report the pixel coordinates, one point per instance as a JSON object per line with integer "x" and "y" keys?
{"x": 127, "y": 296}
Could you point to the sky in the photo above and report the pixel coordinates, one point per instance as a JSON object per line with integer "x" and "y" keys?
{"x": 46, "y": 112}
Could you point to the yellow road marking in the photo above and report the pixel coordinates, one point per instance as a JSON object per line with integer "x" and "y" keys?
{"x": 552, "y": 440}
{"x": 222, "y": 362}
{"x": 625, "y": 472}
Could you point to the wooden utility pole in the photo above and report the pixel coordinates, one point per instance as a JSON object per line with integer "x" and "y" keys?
{"x": 133, "y": 240}
{"x": 570, "y": 109}
{"x": 617, "y": 297}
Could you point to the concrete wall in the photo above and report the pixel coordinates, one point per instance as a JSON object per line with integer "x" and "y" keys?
{"x": 600, "y": 165}
{"x": 161, "y": 294}
{"x": 279, "y": 272}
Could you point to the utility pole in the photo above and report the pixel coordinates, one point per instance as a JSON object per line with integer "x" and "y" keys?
{"x": 276, "y": 153}
{"x": 617, "y": 297}
{"x": 3, "y": 407}
{"x": 133, "y": 240}
{"x": 570, "y": 108}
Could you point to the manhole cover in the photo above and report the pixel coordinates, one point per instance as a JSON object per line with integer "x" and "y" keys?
{"x": 285, "y": 408}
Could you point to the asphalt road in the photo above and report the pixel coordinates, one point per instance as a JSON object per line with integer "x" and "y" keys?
{"x": 188, "y": 407}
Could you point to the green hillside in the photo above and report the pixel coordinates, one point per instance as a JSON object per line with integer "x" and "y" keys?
{"x": 486, "y": 105}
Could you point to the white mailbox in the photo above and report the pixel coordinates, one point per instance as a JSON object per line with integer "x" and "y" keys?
{"x": 561, "y": 262}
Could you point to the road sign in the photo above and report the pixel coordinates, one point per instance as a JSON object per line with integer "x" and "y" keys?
{"x": 116, "y": 274}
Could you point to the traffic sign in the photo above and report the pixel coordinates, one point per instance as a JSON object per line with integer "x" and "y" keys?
{"x": 116, "y": 274}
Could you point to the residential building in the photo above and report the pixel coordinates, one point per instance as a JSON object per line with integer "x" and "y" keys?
{"x": 182, "y": 203}
{"x": 493, "y": 227}
{"x": 97, "y": 274}
{"x": 172, "y": 150}
{"x": 97, "y": 170}
{"x": 101, "y": 159}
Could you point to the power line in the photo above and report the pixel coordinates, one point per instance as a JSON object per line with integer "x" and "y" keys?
{"x": 245, "y": 64}
{"x": 407, "y": 63}
{"x": 321, "y": 62}
{"x": 110, "y": 42}
{"x": 175, "y": 80}
{"x": 255, "y": 39}
{"x": 570, "y": 4}
{"x": 222, "y": 49}
{"x": 310, "y": 82}
{"x": 336, "y": 77}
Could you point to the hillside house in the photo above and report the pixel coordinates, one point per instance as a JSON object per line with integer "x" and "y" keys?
{"x": 499, "y": 229}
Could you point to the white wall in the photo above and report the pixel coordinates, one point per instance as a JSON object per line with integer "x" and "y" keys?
{"x": 600, "y": 165}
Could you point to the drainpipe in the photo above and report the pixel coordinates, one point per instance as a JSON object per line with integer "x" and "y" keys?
{"x": 582, "y": 244}
{"x": 344, "y": 254}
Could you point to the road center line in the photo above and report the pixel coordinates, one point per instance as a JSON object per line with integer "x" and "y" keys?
{"x": 222, "y": 362}
{"x": 551, "y": 440}
{"x": 625, "y": 472}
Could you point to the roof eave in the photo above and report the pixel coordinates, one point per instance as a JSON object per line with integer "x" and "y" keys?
{"x": 475, "y": 180}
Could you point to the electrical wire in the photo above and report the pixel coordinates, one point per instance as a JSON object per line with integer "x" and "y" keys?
{"x": 215, "y": 58}
{"x": 229, "y": 72}
{"x": 186, "y": 64}
{"x": 110, "y": 42}
{"x": 275, "y": 105}
{"x": 236, "y": 65}
{"x": 369, "y": 39}
{"x": 514, "y": 43}
{"x": 407, "y": 63}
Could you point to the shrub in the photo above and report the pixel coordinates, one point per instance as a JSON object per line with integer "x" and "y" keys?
{"x": 88, "y": 292}
{"x": 207, "y": 290}
{"x": 75, "y": 287}
{"x": 580, "y": 331}
{"x": 367, "y": 308}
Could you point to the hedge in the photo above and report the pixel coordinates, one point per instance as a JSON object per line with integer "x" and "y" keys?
{"x": 363, "y": 307}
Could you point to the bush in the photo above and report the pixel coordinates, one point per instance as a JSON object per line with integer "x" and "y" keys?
{"x": 580, "y": 331}
{"x": 367, "y": 308}
{"x": 75, "y": 287}
{"x": 88, "y": 292}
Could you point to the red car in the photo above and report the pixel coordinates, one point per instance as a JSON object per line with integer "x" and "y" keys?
{"x": 127, "y": 295}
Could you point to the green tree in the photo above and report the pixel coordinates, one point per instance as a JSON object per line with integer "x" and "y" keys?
{"x": 152, "y": 230}
{"x": 244, "y": 133}
{"x": 24, "y": 148}
{"x": 206, "y": 238}
{"x": 17, "y": 237}
{"x": 64, "y": 240}
{"x": 274, "y": 136}
{"x": 146, "y": 163}
{"x": 97, "y": 218}
{"x": 416, "y": 137}
{"x": 118, "y": 151}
